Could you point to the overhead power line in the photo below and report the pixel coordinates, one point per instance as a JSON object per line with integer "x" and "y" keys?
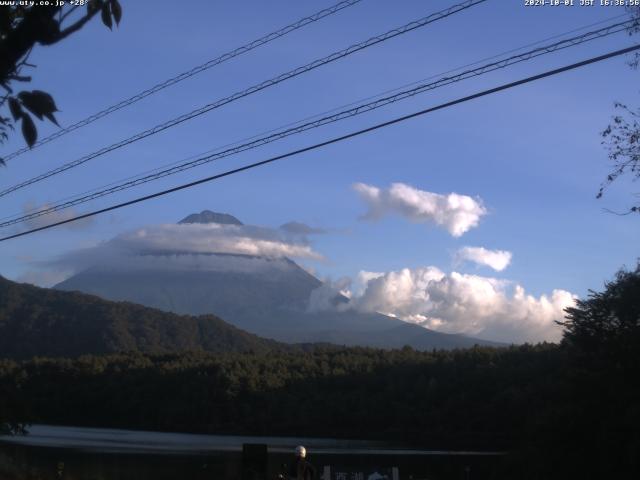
{"x": 251, "y": 90}
{"x": 189, "y": 73}
{"x": 316, "y": 146}
{"x": 348, "y": 113}
{"x": 319, "y": 115}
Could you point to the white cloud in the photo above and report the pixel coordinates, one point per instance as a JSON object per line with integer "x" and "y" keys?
{"x": 363, "y": 280}
{"x": 454, "y": 212}
{"x": 474, "y": 305}
{"x": 496, "y": 259}
{"x": 402, "y": 293}
{"x": 212, "y": 238}
{"x": 189, "y": 247}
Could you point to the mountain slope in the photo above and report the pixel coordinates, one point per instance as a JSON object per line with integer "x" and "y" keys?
{"x": 240, "y": 286}
{"x": 45, "y": 322}
{"x": 268, "y": 297}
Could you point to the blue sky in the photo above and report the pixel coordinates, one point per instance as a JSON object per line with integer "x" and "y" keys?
{"x": 531, "y": 154}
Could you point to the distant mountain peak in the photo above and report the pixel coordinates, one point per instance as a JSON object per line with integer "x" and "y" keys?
{"x": 207, "y": 216}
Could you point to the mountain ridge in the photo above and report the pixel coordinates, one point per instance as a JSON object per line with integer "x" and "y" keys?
{"x": 208, "y": 216}
{"x": 38, "y": 321}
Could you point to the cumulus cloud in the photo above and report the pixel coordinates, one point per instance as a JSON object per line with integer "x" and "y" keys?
{"x": 474, "y": 305}
{"x": 363, "y": 280}
{"x": 454, "y": 212}
{"x": 496, "y": 259}
{"x": 402, "y": 293}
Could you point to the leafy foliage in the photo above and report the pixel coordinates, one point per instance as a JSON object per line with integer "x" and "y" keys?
{"x": 622, "y": 135}
{"x": 622, "y": 139}
{"x": 634, "y": 11}
{"x": 22, "y": 27}
{"x": 608, "y": 319}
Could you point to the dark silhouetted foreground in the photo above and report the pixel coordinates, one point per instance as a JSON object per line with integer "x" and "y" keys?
{"x": 563, "y": 411}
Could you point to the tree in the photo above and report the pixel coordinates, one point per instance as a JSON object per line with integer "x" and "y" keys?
{"x": 21, "y": 29}
{"x": 597, "y": 420}
{"x": 609, "y": 320}
{"x": 622, "y": 136}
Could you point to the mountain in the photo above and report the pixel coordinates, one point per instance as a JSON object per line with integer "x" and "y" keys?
{"x": 266, "y": 296}
{"x": 207, "y": 216}
{"x": 44, "y": 322}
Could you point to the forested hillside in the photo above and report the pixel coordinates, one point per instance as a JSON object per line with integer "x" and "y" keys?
{"x": 43, "y": 322}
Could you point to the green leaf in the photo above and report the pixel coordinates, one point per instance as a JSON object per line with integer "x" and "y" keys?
{"x": 106, "y": 16}
{"x": 15, "y": 108}
{"x": 29, "y": 131}
{"x": 116, "y": 10}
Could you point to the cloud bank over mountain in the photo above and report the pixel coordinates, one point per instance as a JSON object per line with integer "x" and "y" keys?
{"x": 456, "y": 213}
{"x": 187, "y": 246}
{"x": 474, "y": 305}
{"x": 214, "y": 238}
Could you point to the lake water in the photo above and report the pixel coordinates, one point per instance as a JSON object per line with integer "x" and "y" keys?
{"x": 74, "y": 453}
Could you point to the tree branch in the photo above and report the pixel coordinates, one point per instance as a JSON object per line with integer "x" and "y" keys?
{"x": 77, "y": 25}
{"x": 69, "y": 12}
{"x": 19, "y": 78}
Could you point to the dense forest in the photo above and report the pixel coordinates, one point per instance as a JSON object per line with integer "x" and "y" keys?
{"x": 562, "y": 411}
{"x": 463, "y": 399}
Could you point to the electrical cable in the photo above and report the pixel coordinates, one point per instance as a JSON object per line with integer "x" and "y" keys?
{"x": 185, "y": 165}
{"x": 188, "y": 74}
{"x": 318, "y": 115}
{"x": 249, "y": 91}
{"x": 333, "y": 140}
